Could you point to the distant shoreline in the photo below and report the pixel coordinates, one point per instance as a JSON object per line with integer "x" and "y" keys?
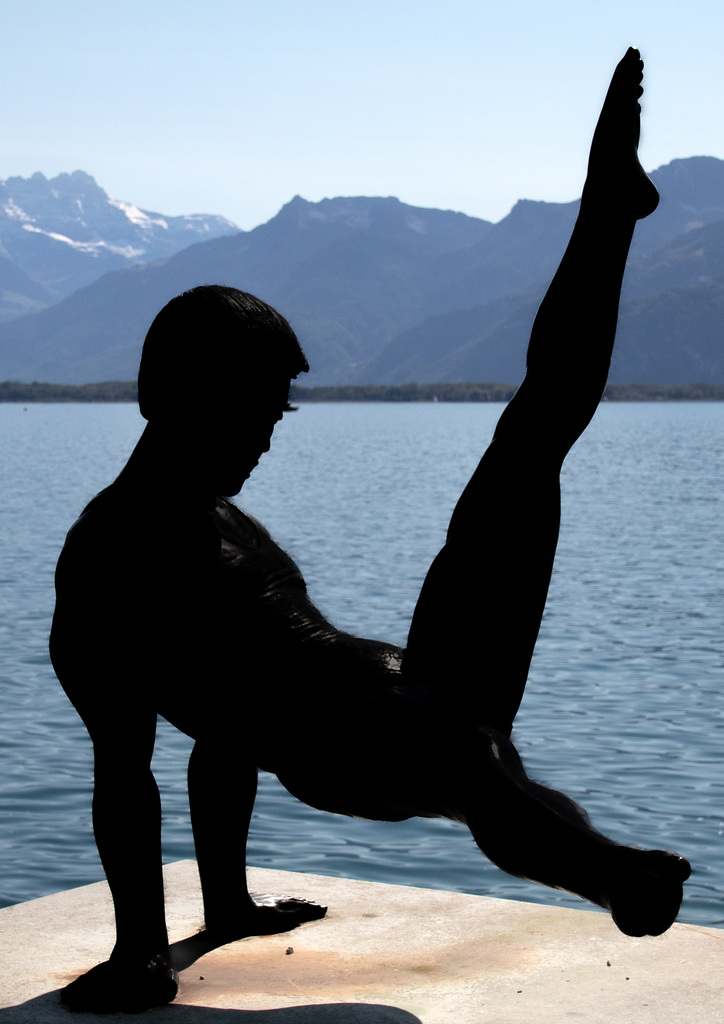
{"x": 125, "y": 391}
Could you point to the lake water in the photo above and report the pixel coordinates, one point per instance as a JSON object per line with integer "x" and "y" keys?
{"x": 625, "y": 705}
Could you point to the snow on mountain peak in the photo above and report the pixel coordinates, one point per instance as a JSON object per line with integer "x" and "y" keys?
{"x": 64, "y": 232}
{"x": 14, "y": 212}
{"x": 136, "y": 216}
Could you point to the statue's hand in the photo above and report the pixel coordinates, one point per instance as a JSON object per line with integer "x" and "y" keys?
{"x": 282, "y": 913}
{"x": 119, "y": 987}
{"x": 265, "y": 915}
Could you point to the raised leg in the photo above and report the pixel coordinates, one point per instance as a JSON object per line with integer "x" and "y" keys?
{"x": 479, "y": 612}
{"x": 476, "y": 623}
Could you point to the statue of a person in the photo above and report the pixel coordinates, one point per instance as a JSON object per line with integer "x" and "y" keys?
{"x": 172, "y": 601}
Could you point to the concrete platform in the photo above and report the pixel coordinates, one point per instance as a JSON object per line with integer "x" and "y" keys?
{"x": 385, "y": 954}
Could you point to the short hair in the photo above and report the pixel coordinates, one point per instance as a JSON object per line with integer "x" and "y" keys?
{"x": 209, "y": 340}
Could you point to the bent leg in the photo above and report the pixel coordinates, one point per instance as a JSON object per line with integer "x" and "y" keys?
{"x": 405, "y": 756}
{"x": 479, "y": 612}
{"x": 539, "y": 834}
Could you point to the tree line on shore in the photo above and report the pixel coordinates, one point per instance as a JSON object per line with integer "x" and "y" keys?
{"x": 126, "y": 391}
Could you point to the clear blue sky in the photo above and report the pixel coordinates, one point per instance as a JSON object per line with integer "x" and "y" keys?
{"x": 235, "y": 106}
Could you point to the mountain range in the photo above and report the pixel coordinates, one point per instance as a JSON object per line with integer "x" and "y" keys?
{"x": 59, "y": 234}
{"x": 378, "y": 291}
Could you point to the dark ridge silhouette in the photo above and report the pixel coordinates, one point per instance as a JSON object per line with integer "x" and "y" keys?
{"x": 384, "y": 293}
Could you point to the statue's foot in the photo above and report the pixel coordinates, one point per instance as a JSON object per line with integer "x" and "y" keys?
{"x": 644, "y": 890}
{"x": 265, "y": 915}
{"x": 616, "y": 180}
{"x": 117, "y": 987}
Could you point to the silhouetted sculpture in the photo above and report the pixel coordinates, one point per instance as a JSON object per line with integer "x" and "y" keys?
{"x": 173, "y": 601}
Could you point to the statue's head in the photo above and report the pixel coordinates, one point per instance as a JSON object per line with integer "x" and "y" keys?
{"x": 211, "y": 345}
{"x": 216, "y": 367}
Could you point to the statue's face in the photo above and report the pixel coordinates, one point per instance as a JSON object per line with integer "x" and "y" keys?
{"x": 240, "y": 431}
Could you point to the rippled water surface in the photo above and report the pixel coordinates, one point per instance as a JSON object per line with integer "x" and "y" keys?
{"x": 625, "y": 704}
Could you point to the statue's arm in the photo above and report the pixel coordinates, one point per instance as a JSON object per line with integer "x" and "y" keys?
{"x": 222, "y": 790}
{"x": 127, "y": 827}
{"x": 106, "y": 683}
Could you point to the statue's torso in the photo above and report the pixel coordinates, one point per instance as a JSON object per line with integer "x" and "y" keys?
{"x": 201, "y": 614}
